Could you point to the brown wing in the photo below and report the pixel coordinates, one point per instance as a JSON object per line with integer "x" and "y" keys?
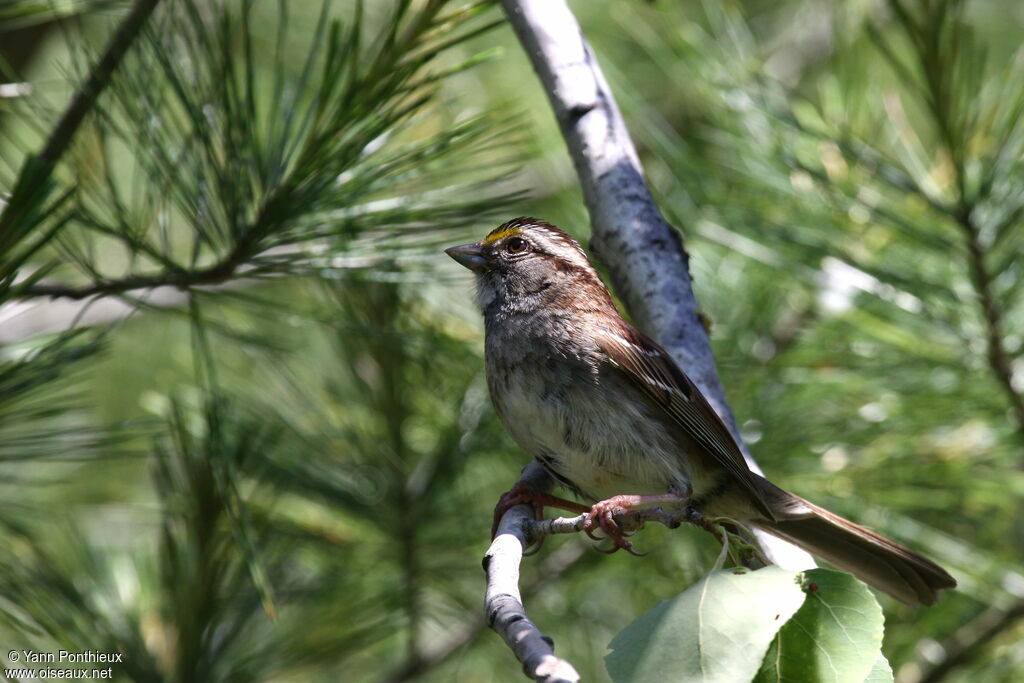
{"x": 653, "y": 370}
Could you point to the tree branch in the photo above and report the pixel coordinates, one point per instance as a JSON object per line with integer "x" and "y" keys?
{"x": 246, "y": 246}
{"x": 33, "y": 186}
{"x": 180, "y": 280}
{"x": 972, "y": 639}
{"x": 503, "y": 605}
{"x": 998, "y": 358}
{"x": 648, "y": 265}
{"x": 517, "y": 530}
{"x": 469, "y": 627}
{"x": 98, "y": 79}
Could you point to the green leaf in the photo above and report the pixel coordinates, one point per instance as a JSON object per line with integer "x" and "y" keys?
{"x": 881, "y": 672}
{"x": 716, "y": 630}
{"x": 835, "y": 637}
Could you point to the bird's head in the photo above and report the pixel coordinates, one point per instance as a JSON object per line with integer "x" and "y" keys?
{"x": 526, "y": 263}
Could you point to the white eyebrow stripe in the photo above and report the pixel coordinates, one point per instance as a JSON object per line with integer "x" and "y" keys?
{"x": 561, "y": 237}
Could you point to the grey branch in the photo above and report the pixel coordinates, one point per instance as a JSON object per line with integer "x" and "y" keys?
{"x": 465, "y": 628}
{"x": 518, "y": 530}
{"x": 503, "y": 605}
{"x": 645, "y": 256}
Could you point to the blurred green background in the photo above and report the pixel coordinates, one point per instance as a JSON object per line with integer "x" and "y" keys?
{"x": 282, "y": 467}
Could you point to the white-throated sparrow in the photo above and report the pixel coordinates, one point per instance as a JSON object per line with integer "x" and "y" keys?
{"x": 609, "y": 415}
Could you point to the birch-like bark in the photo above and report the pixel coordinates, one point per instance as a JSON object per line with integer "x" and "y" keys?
{"x": 517, "y": 529}
{"x": 645, "y": 256}
{"x": 503, "y": 604}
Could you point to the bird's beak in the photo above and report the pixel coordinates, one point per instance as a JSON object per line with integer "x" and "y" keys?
{"x": 470, "y": 255}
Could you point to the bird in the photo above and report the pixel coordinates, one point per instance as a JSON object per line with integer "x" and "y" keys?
{"x": 610, "y": 416}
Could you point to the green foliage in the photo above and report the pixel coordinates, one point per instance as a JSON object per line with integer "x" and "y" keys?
{"x": 244, "y": 140}
{"x": 216, "y": 157}
{"x": 281, "y": 465}
{"x": 20, "y": 14}
{"x": 844, "y": 229}
{"x": 880, "y": 672}
{"x": 716, "y": 630}
{"x": 835, "y": 636}
{"x": 766, "y": 625}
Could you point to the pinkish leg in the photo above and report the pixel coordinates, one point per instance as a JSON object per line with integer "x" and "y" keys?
{"x": 603, "y": 514}
{"x": 520, "y": 495}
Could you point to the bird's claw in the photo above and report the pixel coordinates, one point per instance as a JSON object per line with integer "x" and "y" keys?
{"x": 524, "y": 495}
{"x": 602, "y": 516}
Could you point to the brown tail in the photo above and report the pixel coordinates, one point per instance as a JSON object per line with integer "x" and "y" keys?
{"x": 874, "y": 559}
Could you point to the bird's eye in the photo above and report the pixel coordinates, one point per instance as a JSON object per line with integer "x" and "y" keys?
{"x": 516, "y": 245}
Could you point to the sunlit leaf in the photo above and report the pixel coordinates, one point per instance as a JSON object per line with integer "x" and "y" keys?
{"x": 833, "y": 638}
{"x": 716, "y": 631}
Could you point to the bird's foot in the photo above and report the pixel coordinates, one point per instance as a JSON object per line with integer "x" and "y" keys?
{"x": 538, "y": 500}
{"x": 602, "y": 515}
{"x": 699, "y": 519}
{"x": 738, "y": 543}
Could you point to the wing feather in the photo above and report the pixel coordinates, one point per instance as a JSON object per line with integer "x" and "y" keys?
{"x": 651, "y": 368}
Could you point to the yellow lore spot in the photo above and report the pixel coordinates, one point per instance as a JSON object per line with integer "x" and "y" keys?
{"x": 501, "y": 233}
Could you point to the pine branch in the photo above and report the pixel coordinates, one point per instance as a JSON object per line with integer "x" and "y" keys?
{"x": 972, "y": 639}
{"x": 85, "y": 99}
{"x": 251, "y": 179}
{"x": 34, "y": 185}
{"x": 98, "y": 79}
{"x": 218, "y": 273}
{"x": 939, "y": 72}
{"x": 992, "y": 313}
{"x": 646, "y": 258}
{"x": 183, "y": 280}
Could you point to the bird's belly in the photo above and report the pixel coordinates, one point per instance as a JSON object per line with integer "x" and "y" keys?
{"x": 592, "y": 438}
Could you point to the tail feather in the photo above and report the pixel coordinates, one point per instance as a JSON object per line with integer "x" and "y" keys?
{"x": 874, "y": 559}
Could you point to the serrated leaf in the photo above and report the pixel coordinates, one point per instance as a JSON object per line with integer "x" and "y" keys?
{"x": 716, "y": 630}
{"x": 835, "y": 637}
